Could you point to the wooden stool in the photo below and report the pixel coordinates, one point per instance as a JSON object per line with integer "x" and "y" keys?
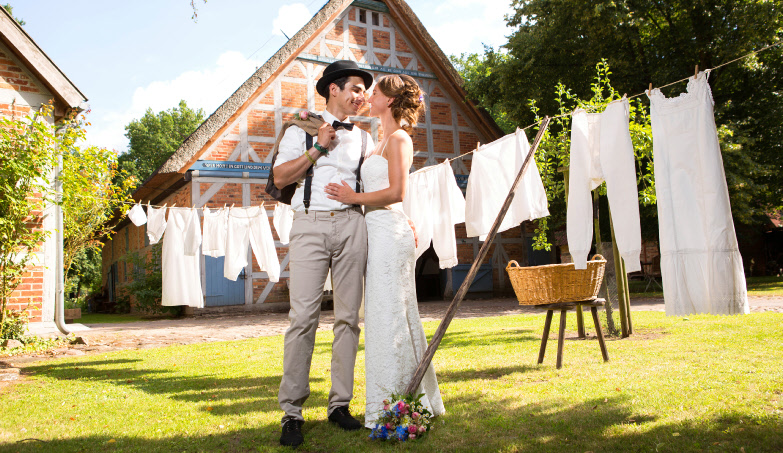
{"x": 564, "y": 307}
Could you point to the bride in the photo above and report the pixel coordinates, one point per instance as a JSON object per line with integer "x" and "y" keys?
{"x": 394, "y": 337}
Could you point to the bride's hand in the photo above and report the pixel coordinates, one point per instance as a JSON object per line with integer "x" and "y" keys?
{"x": 342, "y": 193}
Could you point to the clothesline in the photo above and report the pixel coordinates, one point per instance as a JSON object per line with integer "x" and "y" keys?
{"x": 643, "y": 92}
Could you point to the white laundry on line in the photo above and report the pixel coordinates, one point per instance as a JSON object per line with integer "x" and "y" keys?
{"x": 156, "y": 223}
{"x": 601, "y": 150}
{"x": 493, "y": 170}
{"x": 283, "y": 220}
{"x": 215, "y": 226}
{"x": 250, "y": 225}
{"x": 136, "y": 215}
{"x": 700, "y": 261}
{"x": 435, "y": 204}
{"x": 181, "y": 263}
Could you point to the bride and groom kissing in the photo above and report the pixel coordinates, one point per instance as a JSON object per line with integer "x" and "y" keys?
{"x": 331, "y": 230}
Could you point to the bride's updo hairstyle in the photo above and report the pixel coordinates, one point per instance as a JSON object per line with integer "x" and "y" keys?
{"x": 408, "y": 99}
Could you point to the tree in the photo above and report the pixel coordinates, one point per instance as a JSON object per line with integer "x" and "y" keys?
{"x": 10, "y": 10}
{"x": 94, "y": 189}
{"x": 155, "y": 137}
{"x": 659, "y": 42}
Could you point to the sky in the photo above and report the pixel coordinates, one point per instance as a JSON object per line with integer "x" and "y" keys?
{"x": 128, "y": 56}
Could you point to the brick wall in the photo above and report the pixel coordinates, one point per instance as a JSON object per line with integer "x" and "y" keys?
{"x": 18, "y": 85}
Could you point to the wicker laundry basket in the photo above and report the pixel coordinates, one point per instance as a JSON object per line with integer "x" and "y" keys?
{"x": 554, "y": 283}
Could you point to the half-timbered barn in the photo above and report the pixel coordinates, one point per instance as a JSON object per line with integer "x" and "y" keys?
{"x": 226, "y": 160}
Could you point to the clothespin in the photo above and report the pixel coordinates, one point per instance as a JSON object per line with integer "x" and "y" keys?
{"x": 232, "y": 205}
{"x": 696, "y": 72}
{"x": 478, "y": 145}
{"x": 650, "y": 90}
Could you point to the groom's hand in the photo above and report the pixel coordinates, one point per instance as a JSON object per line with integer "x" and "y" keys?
{"x": 326, "y": 134}
{"x": 415, "y": 236}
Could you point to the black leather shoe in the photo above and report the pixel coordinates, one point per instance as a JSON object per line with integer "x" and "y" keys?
{"x": 292, "y": 433}
{"x": 344, "y": 419}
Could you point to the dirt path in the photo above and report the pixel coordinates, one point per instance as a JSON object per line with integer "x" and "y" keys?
{"x": 151, "y": 334}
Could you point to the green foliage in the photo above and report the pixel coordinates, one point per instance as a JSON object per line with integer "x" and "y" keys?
{"x": 14, "y": 325}
{"x": 146, "y": 287}
{"x": 155, "y": 137}
{"x": 554, "y": 150}
{"x": 10, "y": 10}
{"x": 94, "y": 189}
{"x": 83, "y": 278}
{"x": 27, "y": 157}
{"x": 560, "y": 41}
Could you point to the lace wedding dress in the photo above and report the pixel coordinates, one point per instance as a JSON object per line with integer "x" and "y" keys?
{"x": 394, "y": 337}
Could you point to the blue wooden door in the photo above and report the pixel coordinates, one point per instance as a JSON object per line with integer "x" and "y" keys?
{"x": 220, "y": 290}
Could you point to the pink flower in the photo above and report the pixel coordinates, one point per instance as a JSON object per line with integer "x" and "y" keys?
{"x": 303, "y": 115}
{"x": 422, "y": 429}
{"x": 389, "y": 426}
{"x": 412, "y": 436}
{"x": 412, "y": 429}
{"x": 386, "y": 402}
{"x": 400, "y": 405}
{"x": 386, "y": 407}
{"x": 415, "y": 415}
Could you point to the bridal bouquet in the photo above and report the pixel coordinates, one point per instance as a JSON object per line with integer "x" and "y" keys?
{"x": 402, "y": 418}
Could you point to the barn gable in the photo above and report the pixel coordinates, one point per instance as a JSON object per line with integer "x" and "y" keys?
{"x": 383, "y": 38}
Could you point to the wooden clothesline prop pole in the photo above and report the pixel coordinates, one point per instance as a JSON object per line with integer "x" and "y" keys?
{"x": 463, "y": 289}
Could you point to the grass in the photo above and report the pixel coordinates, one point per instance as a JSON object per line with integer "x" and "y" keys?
{"x": 702, "y": 383}
{"x": 757, "y": 286}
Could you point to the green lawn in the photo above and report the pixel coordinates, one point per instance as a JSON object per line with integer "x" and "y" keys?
{"x": 702, "y": 383}
{"x": 757, "y": 286}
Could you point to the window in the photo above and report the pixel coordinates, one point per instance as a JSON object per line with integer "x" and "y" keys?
{"x": 363, "y": 16}
{"x": 376, "y": 19}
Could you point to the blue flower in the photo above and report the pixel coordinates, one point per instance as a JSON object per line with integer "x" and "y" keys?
{"x": 402, "y": 433}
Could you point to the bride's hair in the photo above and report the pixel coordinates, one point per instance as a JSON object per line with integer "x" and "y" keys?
{"x": 408, "y": 99}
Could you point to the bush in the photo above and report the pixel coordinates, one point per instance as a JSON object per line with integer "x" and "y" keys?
{"x": 14, "y": 325}
{"x": 146, "y": 288}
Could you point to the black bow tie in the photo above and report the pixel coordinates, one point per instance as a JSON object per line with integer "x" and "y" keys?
{"x": 347, "y": 126}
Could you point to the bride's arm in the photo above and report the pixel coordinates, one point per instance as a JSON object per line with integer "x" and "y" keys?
{"x": 399, "y": 153}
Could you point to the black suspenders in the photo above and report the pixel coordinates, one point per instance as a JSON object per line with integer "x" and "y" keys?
{"x": 309, "y": 175}
{"x": 308, "y": 186}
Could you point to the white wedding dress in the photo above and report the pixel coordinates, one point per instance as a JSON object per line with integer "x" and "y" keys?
{"x": 394, "y": 338}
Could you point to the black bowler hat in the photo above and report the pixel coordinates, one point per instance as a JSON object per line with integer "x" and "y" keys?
{"x": 338, "y": 69}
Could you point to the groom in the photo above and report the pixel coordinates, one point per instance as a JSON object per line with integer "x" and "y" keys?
{"x": 325, "y": 234}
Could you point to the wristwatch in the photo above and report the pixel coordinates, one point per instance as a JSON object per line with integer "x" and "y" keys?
{"x": 320, "y": 148}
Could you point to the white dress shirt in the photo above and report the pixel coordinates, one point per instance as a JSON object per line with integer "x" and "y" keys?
{"x": 340, "y": 165}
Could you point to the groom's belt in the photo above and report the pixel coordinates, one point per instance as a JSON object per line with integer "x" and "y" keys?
{"x": 323, "y": 214}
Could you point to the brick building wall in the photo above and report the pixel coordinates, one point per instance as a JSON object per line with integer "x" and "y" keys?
{"x": 20, "y": 94}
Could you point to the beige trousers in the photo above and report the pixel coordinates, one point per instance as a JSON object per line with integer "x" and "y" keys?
{"x": 320, "y": 240}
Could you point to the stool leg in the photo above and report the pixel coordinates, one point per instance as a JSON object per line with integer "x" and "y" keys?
{"x": 600, "y": 333}
{"x": 580, "y": 323}
{"x": 545, "y": 337}
{"x": 561, "y": 338}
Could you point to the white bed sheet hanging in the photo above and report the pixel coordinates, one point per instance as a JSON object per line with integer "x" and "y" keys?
{"x": 493, "y": 170}
{"x": 700, "y": 261}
